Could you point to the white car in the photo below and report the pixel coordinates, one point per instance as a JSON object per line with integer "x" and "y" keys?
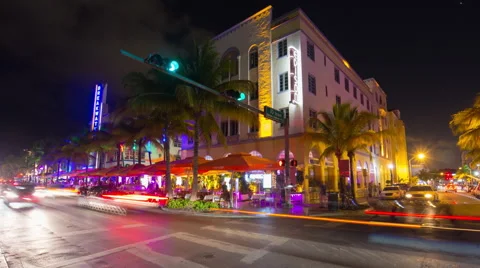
{"x": 421, "y": 193}
{"x": 391, "y": 192}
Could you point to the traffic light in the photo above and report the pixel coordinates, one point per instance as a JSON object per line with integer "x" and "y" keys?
{"x": 448, "y": 176}
{"x": 156, "y": 59}
{"x": 293, "y": 163}
{"x": 239, "y": 96}
{"x": 173, "y": 66}
{"x": 281, "y": 162}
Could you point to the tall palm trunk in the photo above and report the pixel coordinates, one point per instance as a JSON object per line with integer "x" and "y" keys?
{"x": 168, "y": 175}
{"x": 140, "y": 143}
{"x": 351, "y": 158}
{"x": 196, "y": 143}
{"x": 119, "y": 152}
{"x": 342, "y": 180}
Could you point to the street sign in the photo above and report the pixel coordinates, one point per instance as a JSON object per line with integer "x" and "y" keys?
{"x": 273, "y": 114}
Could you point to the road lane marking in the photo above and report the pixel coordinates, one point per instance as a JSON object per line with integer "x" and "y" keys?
{"x": 146, "y": 253}
{"x": 221, "y": 245}
{"x": 3, "y": 261}
{"x": 251, "y": 224}
{"x": 275, "y": 240}
{"x": 82, "y": 232}
{"x": 108, "y": 252}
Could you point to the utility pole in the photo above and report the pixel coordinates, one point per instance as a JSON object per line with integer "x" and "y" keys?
{"x": 286, "y": 126}
{"x": 169, "y": 68}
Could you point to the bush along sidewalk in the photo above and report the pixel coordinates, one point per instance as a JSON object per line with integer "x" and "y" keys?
{"x": 187, "y": 205}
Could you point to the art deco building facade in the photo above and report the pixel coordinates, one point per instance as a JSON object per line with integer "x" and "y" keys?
{"x": 299, "y": 71}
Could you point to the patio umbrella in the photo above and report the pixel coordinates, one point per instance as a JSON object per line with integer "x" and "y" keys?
{"x": 102, "y": 172}
{"x": 240, "y": 162}
{"x": 75, "y": 173}
{"x": 126, "y": 171}
{"x": 176, "y": 167}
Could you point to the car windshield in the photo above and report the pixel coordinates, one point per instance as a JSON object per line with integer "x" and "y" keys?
{"x": 24, "y": 189}
{"x": 420, "y": 188}
{"x": 395, "y": 188}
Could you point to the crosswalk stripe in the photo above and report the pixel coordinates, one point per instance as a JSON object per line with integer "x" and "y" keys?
{"x": 146, "y": 253}
{"x": 221, "y": 245}
{"x": 275, "y": 240}
{"x": 107, "y": 252}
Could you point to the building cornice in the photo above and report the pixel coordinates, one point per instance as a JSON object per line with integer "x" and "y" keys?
{"x": 238, "y": 25}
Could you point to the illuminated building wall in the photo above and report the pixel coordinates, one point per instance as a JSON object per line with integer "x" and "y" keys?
{"x": 290, "y": 77}
{"x": 252, "y": 34}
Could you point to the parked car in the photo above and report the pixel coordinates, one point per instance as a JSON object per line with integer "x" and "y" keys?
{"x": 391, "y": 192}
{"x": 403, "y": 187}
{"x": 421, "y": 193}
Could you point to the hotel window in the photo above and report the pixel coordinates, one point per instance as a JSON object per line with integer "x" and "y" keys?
{"x": 254, "y": 58}
{"x": 311, "y": 51}
{"x": 285, "y": 114}
{"x": 355, "y": 92}
{"x": 338, "y": 100}
{"x": 368, "y": 105}
{"x": 312, "y": 114}
{"x": 312, "y": 84}
{"x": 326, "y": 91}
{"x": 347, "y": 85}
{"x": 254, "y": 94}
{"x": 224, "y": 128}
{"x": 254, "y": 128}
{"x": 233, "y": 127}
{"x": 282, "y": 48}
{"x": 362, "y": 100}
{"x": 283, "y": 82}
{"x": 380, "y": 99}
{"x": 324, "y": 60}
{"x": 336, "y": 74}
{"x": 376, "y": 97}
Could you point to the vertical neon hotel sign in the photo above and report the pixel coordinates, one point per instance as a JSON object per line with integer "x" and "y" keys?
{"x": 294, "y": 62}
{"x": 97, "y": 107}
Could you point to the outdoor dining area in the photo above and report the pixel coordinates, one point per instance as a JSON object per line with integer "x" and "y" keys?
{"x": 244, "y": 176}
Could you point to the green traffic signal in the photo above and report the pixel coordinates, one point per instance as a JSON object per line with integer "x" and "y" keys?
{"x": 173, "y": 66}
{"x": 242, "y": 96}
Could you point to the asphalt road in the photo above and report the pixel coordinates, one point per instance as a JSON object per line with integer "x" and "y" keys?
{"x": 58, "y": 233}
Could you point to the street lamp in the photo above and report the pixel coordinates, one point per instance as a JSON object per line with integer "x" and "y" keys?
{"x": 390, "y": 166}
{"x": 419, "y": 156}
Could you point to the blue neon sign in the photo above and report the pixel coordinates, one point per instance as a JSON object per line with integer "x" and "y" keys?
{"x": 97, "y": 108}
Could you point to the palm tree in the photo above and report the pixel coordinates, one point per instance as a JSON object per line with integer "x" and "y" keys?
{"x": 466, "y": 125}
{"x": 155, "y": 99}
{"x": 203, "y": 65}
{"x": 344, "y": 130}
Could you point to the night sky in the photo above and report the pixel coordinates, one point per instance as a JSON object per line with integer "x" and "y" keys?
{"x": 53, "y": 52}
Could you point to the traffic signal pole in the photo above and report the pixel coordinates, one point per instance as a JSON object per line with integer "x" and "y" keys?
{"x": 285, "y": 121}
{"x": 286, "y": 126}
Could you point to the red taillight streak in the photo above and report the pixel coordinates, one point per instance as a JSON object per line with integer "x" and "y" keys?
{"x": 400, "y": 214}
{"x": 136, "y": 197}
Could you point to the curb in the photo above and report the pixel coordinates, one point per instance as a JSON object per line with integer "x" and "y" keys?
{"x": 207, "y": 215}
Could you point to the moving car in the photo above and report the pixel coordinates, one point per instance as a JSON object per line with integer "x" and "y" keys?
{"x": 421, "y": 193}
{"x": 20, "y": 193}
{"x": 391, "y": 192}
{"x": 450, "y": 188}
